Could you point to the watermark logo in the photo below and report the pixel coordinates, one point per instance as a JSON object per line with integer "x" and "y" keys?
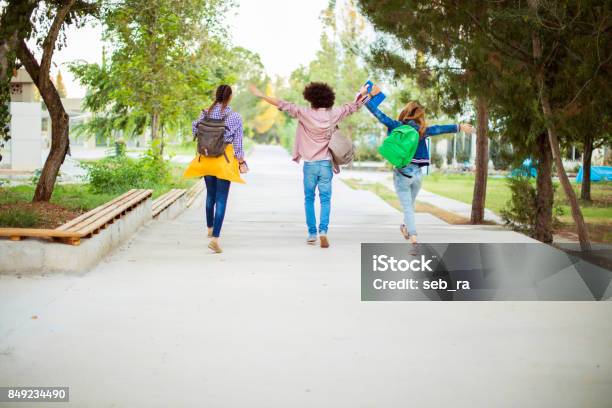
{"x": 462, "y": 271}
{"x": 384, "y": 263}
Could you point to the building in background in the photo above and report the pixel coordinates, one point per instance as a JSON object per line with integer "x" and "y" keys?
{"x": 30, "y": 126}
{"x": 24, "y": 151}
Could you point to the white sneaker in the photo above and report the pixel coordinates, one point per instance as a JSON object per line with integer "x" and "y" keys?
{"x": 311, "y": 240}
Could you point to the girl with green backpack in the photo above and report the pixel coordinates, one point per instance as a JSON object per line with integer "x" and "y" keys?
{"x": 406, "y": 148}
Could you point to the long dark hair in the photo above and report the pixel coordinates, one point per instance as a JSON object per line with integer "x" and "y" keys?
{"x": 222, "y": 96}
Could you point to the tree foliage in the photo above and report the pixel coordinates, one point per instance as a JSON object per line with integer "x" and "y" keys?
{"x": 164, "y": 59}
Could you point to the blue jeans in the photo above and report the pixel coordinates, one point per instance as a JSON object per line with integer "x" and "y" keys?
{"x": 317, "y": 174}
{"x": 407, "y": 181}
{"x": 217, "y": 191}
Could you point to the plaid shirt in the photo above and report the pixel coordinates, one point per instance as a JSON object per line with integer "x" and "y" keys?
{"x": 233, "y": 127}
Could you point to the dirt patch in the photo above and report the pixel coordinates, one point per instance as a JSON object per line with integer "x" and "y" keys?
{"x": 43, "y": 215}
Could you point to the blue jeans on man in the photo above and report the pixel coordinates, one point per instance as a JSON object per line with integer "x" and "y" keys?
{"x": 317, "y": 175}
{"x": 407, "y": 181}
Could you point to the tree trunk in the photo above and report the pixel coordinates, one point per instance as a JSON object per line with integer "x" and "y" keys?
{"x": 59, "y": 124}
{"x": 482, "y": 163}
{"x": 161, "y": 140}
{"x": 156, "y": 146}
{"x": 544, "y": 191}
{"x": 154, "y": 126}
{"x": 540, "y": 74}
{"x": 585, "y": 190}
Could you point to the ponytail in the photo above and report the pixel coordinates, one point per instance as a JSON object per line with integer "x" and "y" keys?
{"x": 222, "y": 96}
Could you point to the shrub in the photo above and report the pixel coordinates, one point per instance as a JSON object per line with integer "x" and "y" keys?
{"x": 118, "y": 174}
{"x": 520, "y": 212}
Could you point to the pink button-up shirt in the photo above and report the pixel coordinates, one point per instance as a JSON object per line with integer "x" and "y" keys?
{"x": 315, "y": 127}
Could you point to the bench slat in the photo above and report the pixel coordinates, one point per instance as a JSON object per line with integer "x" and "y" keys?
{"x": 194, "y": 192}
{"x": 110, "y": 213}
{"x": 92, "y": 213}
{"x": 166, "y": 200}
{"x": 39, "y": 233}
{"x": 103, "y": 211}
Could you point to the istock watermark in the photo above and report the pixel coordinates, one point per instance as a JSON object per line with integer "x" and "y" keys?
{"x": 457, "y": 271}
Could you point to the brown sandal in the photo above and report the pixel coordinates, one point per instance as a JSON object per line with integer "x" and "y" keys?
{"x": 324, "y": 241}
{"x": 214, "y": 246}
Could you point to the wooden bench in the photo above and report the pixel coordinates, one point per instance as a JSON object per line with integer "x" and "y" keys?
{"x": 166, "y": 200}
{"x": 85, "y": 225}
{"x": 194, "y": 192}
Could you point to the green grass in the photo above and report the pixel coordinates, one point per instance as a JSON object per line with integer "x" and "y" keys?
{"x": 76, "y": 197}
{"x": 18, "y": 218}
{"x": 461, "y": 188}
{"x": 598, "y": 213}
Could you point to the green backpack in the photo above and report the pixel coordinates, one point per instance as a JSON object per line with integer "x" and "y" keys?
{"x": 400, "y": 146}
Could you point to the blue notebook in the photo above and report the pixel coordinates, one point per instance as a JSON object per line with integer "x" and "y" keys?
{"x": 377, "y": 99}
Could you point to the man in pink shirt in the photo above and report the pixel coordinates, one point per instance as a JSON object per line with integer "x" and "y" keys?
{"x": 315, "y": 126}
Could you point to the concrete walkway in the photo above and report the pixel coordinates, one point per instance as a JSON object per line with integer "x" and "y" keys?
{"x": 273, "y": 322}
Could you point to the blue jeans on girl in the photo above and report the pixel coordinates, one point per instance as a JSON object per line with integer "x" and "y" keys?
{"x": 317, "y": 174}
{"x": 217, "y": 191}
{"x": 407, "y": 181}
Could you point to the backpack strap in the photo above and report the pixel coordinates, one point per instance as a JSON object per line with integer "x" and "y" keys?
{"x": 224, "y": 118}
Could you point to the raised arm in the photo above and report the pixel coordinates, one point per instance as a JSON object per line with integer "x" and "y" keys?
{"x": 290, "y": 108}
{"x": 349, "y": 108}
{"x": 271, "y": 100}
{"x": 378, "y": 114}
{"x": 382, "y": 118}
{"x": 442, "y": 129}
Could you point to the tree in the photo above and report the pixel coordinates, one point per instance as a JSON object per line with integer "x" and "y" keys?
{"x": 158, "y": 69}
{"x": 51, "y": 18}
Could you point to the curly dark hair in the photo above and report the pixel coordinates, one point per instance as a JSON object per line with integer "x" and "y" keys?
{"x": 320, "y": 95}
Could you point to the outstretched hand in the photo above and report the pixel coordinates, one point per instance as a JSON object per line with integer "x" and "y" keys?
{"x": 375, "y": 90}
{"x": 255, "y": 91}
{"x": 466, "y": 128}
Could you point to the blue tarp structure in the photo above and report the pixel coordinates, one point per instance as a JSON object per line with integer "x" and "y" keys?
{"x": 598, "y": 173}
{"x": 527, "y": 169}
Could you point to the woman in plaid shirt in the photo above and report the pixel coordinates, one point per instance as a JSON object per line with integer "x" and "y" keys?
{"x": 218, "y": 172}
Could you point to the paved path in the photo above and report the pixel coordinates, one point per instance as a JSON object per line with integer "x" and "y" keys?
{"x": 273, "y": 322}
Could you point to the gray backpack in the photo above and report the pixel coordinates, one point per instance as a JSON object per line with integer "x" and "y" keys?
{"x": 210, "y": 136}
{"x": 341, "y": 147}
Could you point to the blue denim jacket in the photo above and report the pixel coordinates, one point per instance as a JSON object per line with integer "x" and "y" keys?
{"x": 421, "y": 157}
